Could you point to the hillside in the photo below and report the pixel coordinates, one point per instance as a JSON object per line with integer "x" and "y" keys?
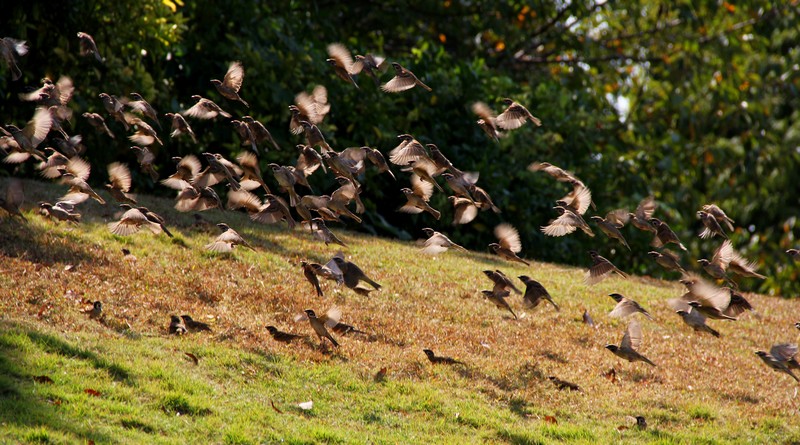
{"x": 245, "y": 387}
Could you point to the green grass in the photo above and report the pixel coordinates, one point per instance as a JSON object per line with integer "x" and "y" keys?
{"x": 704, "y": 390}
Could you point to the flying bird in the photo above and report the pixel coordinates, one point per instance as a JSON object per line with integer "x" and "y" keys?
{"x": 629, "y": 346}
{"x": 343, "y": 63}
{"x": 515, "y": 115}
{"x": 88, "y": 47}
{"x": 535, "y": 293}
{"x": 600, "y": 269}
{"x": 9, "y": 50}
{"x": 508, "y": 244}
{"x": 227, "y": 240}
{"x": 626, "y": 307}
{"x": 230, "y": 85}
{"x": 403, "y": 80}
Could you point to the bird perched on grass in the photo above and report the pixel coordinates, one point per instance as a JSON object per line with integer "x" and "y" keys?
{"x": 515, "y": 115}
{"x": 508, "y": 244}
{"x": 628, "y": 348}
{"x": 96, "y": 311}
{"x": 321, "y": 324}
{"x": 600, "y": 269}
{"x": 535, "y": 293}
{"x": 227, "y": 240}
{"x": 440, "y": 360}
{"x": 193, "y": 325}
{"x": 625, "y": 307}
{"x": 498, "y": 298}
{"x": 176, "y": 325}
{"x": 403, "y": 80}
{"x": 563, "y": 384}
{"x": 438, "y": 243}
{"x": 61, "y": 210}
{"x": 781, "y": 358}
{"x": 230, "y": 85}
{"x": 283, "y": 337}
{"x": 14, "y": 197}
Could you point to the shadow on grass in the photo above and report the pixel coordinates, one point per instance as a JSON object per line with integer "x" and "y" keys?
{"x": 24, "y": 405}
{"x": 34, "y": 244}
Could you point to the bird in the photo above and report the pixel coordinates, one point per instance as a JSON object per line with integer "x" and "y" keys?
{"x": 128, "y": 256}
{"x": 79, "y": 189}
{"x": 10, "y": 48}
{"x": 567, "y": 222}
{"x": 464, "y": 210}
{"x": 587, "y": 319}
{"x": 180, "y": 126}
{"x": 132, "y": 221}
{"x": 668, "y": 260}
{"x": 644, "y": 211}
{"x": 498, "y": 297}
{"x": 611, "y": 224}
{"x": 139, "y": 104}
{"x": 425, "y": 169}
{"x": 88, "y": 47}
{"x": 321, "y": 325}
{"x": 417, "y": 198}
{"x": 30, "y": 137}
{"x": 194, "y": 326}
{"x": 119, "y": 178}
{"x": 350, "y": 272}
{"x": 145, "y": 134}
{"x": 628, "y": 348}
{"x": 311, "y": 108}
{"x": 205, "y": 109}
{"x": 146, "y": 158}
{"x": 96, "y": 312}
{"x": 696, "y": 320}
{"x": 558, "y": 173}
{"x": 664, "y": 234}
{"x": 711, "y": 227}
{"x": 482, "y": 200}
{"x": 501, "y": 281}
{"x": 310, "y": 274}
{"x": 251, "y": 172}
{"x": 719, "y": 215}
{"x": 227, "y": 240}
{"x": 14, "y": 197}
{"x": 322, "y": 232}
{"x": 283, "y": 337}
{"x": 600, "y": 269}
{"x": 508, "y": 244}
{"x": 219, "y": 169}
{"x": 114, "y": 108}
{"x": 230, "y": 85}
{"x": 515, "y": 115}
{"x": 286, "y": 181}
{"x": 176, "y": 325}
{"x": 439, "y": 360}
{"x": 718, "y": 265}
{"x": 742, "y": 267}
{"x": 372, "y": 65}
{"x": 625, "y": 307}
{"x": 99, "y": 124}
{"x": 409, "y": 149}
{"x": 273, "y": 210}
{"x": 403, "y": 80}
{"x": 487, "y": 120}
{"x": 438, "y": 243}
{"x": 563, "y": 384}
{"x": 535, "y": 293}
{"x": 718, "y": 303}
{"x": 779, "y": 358}
{"x": 259, "y": 132}
{"x": 61, "y": 210}
{"x": 343, "y": 63}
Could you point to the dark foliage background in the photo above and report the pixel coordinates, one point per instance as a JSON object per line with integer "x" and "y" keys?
{"x": 692, "y": 102}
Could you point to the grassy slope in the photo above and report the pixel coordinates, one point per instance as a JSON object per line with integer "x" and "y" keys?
{"x": 704, "y": 390}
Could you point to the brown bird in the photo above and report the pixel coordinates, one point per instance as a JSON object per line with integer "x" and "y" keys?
{"x": 114, "y": 108}
{"x": 587, "y": 319}
{"x": 501, "y": 281}
{"x": 600, "y": 269}
{"x": 145, "y": 134}
{"x": 695, "y": 319}
{"x": 140, "y": 105}
{"x": 625, "y": 307}
{"x": 79, "y": 189}
{"x": 438, "y": 360}
{"x": 438, "y": 243}
{"x": 283, "y": 337}
{"x": 128, "y": 256}
{"x": 417, "y": 198}
{"x": 153, "y": 217}
{"x": 461, "y": 184}
{"x": 259, "y": 132}
{"x": 567, "y": 222}
{"x": 372, "y": 65}
{"x": 408, "y": 150}
{"x": 487, "y": 120}
{"x": 515, "y": 115}
{"x": 664, "y": 234}
{"x": 710, "y": 226}
{"x": 119, "y": 178}
{"x": 311, "y": 108}
{"x": 30, "y": 137}
{"x": 719, "y": 215}
{"x": 321, "y": 231}
{"x": 96, "y": 312}
{"x": 205, "y": 109}
{"x": 557, "y": 173}
{"x": 611, "y": 224}
{"x": 88, "y": 47}
{"x": 99, "y": 124}
{"x": 9, "y": 50}
{"x": 535, "y": 293}
{"x": 272, "y": 211}
{"x": 286, "y": 181}
{"x": 13, "y": 199}
{"x": 219, "y": 169}
{"x": 464, "y": 210}
{"x": 718, "y": 265}
{"x": 742, "y": 267}
{"x": 227, "y": 240}
{"x": 251, "y": 172}
{"x": 62, "y": 211}
{"x": 176, "y": 326}
{"x": 245, "y": 135}
{"x": 146, "y": 158}
{"x": 644, "y": 211}
{"x": 578, "y": 200}
{"x": 321, "y": 325}
{"x": 342, "y": 63}
{"x": 187, "y": 168}
{"x": 779, "y": 358}
{"x": 351, "y": 274}
{"x": 498, "y": 297}
{"x": 628, "y": 348}
{"x": 132, "y": 221}
{"x": 232, "y": 82}
{"x": 563, "y": 384}
{"x": 718, "y": 303}
{"x": 194, "y": 326}
{"x": 509, "y": 243}
{"x": 403, "y": 80}
{"x": 180, "y": 126}
{"x": 482, "y": 199}
{"x": 311, "y": 275}
{"x": 668, "y": 260}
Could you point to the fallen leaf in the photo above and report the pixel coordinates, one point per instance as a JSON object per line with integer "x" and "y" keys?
{"x": 92, "y": 392}
{"x": 611, "y": 375}
{"x": 90, "y": 442}
{"x": 193, "y": 357}
{"x": 56, "y": 402}
{"x": 622, "y": 428}
{"x": 275, "y": 407}
{"x": 306, "y": 405}
{"x": 42, "y": 379}
{"x": 551, "y": 419}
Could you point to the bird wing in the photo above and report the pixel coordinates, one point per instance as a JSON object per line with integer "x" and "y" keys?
{"x": 406, "y": 152}
{"x": 332, "y": 317}
{"x": 508, "y": 237}
{"x": 633, "y": 336}
{"x": 235, "y": 76}
{"x": 784, "y": 352}
{"x": 618, "y": 217}
{"x": 120, "y": 176}
{"x": 37, "y": 128}
{"x": 723, "y": 255}
{"x": 423, "y": 189}
{"x": 341, "y": 55}
{"x": 623, "y": 309}
{"x": 483, "y": 111}
{"x": 514, "y": 117}
{"x": 563, "y": 225}
{"x": 580, "y": 198}
{"x": 398, "y": 84}
{"x": 646, "y": 208}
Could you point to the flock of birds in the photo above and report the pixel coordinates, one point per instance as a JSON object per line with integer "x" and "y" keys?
{"x": 717, "y": 299}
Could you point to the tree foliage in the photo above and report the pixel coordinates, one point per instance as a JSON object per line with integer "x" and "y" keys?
{"x": 692, "y": 102}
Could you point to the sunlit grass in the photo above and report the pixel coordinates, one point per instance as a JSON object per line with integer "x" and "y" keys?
{"x": 704, "y": 390}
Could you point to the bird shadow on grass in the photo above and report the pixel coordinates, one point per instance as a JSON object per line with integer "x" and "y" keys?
{"x": 34, "y": 244}
{"x": 23, "y": 395}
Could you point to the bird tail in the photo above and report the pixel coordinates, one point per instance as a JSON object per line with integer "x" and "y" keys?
{"x": 436, "y": 214}
{"x": 427, "y": 88}
{"x": 554, "y": 304}
{"x": 372, "y": 283}
{"x": 711, "y": 331}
